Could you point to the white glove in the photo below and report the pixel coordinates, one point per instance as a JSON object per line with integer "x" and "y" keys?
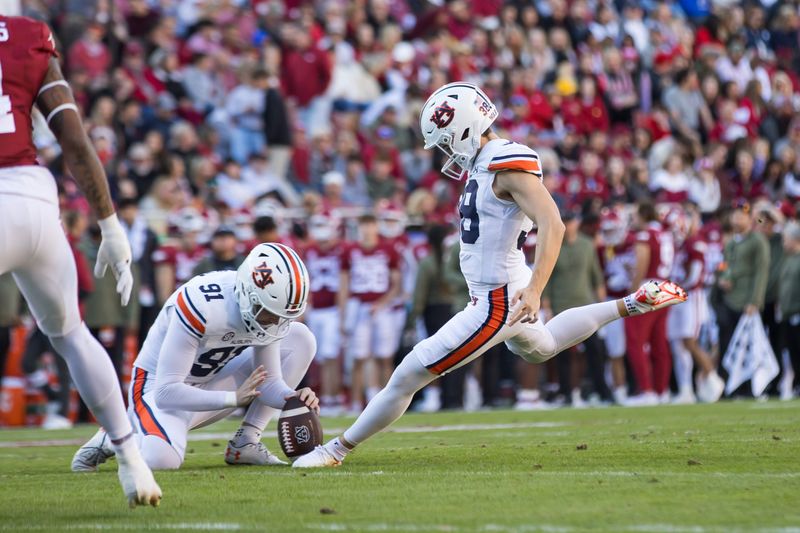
{"x": 115, "y": 251}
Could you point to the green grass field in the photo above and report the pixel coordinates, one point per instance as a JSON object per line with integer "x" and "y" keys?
{"x": 722, "y": 468}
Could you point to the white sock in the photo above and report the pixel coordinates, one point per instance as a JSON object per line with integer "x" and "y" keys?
{"x": 337, "y": 449}
{"x": 246, "y": 434}
{"x": 391, "y": 402}
{"x": 96, "y": 380}
{"x": 127, "y": 449}
{"x": 630, "y": 305}
{"x": 684, "y": 365}
{"x": 575, "y": 325}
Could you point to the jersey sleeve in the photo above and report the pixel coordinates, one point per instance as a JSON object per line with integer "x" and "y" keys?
{"x": 191, "y": 310}
{"x": 642, "y": 237}
{"x": 47, "y": 45}
{"x": 514, "y": 156}
{"x": 164, "y": 255}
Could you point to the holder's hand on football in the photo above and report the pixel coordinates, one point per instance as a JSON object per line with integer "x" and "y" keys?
{"x": 115, "y": 251}
{"x": 248, "y": 391}
{"x": 307, "y": 396}
{"x": 529, "y": 303}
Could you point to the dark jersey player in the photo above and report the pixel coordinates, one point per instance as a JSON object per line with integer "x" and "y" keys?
{"x": 33, "y": 246}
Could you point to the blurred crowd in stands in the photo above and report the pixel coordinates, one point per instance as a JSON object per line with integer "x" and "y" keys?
{"x": 666, "y": 126}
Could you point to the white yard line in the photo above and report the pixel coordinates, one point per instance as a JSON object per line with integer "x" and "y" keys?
{"x": 205, "y": 435}
{"x": 543, "y": 528}
{"x": 194, "y": 526}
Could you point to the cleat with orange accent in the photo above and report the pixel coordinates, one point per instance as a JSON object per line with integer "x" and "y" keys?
{"x": 655, "y": 295}
{"x": 318, "y": 458}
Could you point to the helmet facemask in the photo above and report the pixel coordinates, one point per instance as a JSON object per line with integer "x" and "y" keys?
{"x": 256, "y": 316}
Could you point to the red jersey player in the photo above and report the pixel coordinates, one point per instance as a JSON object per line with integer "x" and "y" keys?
{"x": 176, "y": 261}
{"x": 32, "y": 244}
{"x": 618, "y": 261}
{"x": 323, "y": 260}
{"x": 371, "y": 279}
{"x": 683, "y": 327}
{"x": 655, "y": 253}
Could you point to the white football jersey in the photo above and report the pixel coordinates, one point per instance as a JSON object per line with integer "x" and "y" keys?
{"x": 494, "y": 230}
{"x": 206, "y": 307}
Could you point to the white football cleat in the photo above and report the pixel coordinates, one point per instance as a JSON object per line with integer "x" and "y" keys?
{"x": 710, "y": 388}
{"x": 56, "y": 421}
{"x": 644, "y": 399}
{"x": 251, "y": 453}
{"x": 685, "y": 396}
{"x": 92, "y": 454}
{"x": 137, "y": 481}
{"x": 655, "y": 295}
{"x": 318, "y": 458}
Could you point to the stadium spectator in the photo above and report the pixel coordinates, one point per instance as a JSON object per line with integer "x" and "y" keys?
{"x": 433, "y": 302}
{"x": 143, "y": 245}
{"x": 789, "y": 302}
{"x": 245, "y": 106}
{"x": 744, "y": 280}
{"x": 222, "y": 253}
{"x": 577, "y": 280}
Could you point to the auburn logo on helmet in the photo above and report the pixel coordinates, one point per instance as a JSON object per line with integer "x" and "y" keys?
{"x": 262, "y": 275}
{"x": 443, "y": 115}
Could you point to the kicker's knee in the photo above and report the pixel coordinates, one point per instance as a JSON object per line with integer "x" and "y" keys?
{"x": 159, "y": 454}
{"x": 535, "y": 345}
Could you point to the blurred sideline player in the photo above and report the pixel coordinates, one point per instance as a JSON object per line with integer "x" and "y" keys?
{"x": 392, "y": 228}
{"x": 369, "y": 283}
{"x": 646, "y": 335}
{"x": 33, "y": 246}
{"x": 175, "y": 261}
{"x": 618, "y": 262}
{"x": 324, "y": 262}
{"x": 223, "y": 340}
{"x": 503, "y": 193}
{"x": 684, "y": 323}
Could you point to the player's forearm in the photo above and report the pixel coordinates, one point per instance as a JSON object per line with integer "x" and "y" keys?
{"x": 183, "y": 397}
{"x": 85, "y": 167}
{"x": 548, "y": 245}
{"x": 58, "y": 105}
{"x": 342, "y": 296}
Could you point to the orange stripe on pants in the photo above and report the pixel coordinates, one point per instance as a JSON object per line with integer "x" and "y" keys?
{"x": 498, "y": 312}
{"x": 147, "y": 421}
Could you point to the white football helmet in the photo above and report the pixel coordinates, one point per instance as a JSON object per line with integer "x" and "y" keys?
{"x": 272, "y": 289}
{"x": 453, "y": 119}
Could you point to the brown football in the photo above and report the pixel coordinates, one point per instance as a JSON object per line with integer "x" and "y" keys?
{"x": 299, "y": 429}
